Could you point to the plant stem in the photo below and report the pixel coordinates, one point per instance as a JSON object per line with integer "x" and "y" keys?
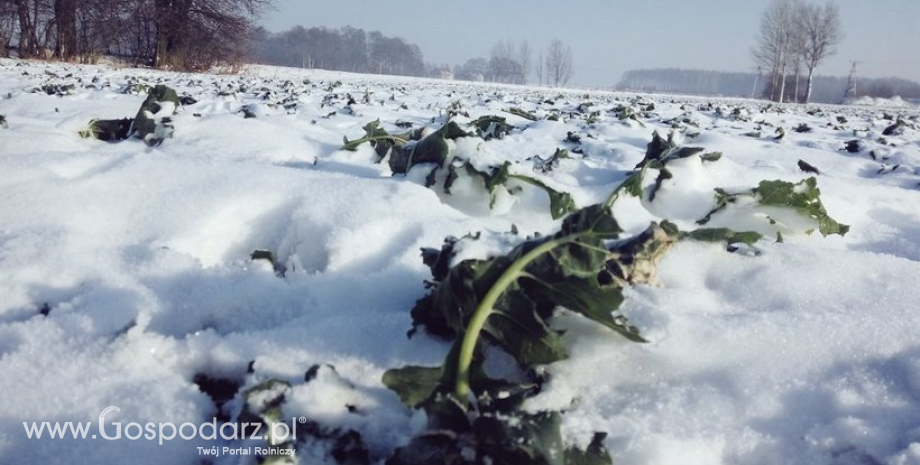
{"x": 486, "y": 307}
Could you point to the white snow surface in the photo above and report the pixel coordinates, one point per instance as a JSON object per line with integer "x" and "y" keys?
{"x": 807, "y": 353}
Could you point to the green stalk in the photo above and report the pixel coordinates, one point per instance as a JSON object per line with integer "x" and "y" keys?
{"x": 486, "y": 308}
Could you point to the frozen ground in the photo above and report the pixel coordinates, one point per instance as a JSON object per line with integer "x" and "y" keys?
{"x": 125, "y": 270}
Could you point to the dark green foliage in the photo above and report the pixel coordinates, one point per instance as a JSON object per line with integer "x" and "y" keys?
{"x": 280, "y": 269}
{"x": 523, "y": 114}
{"x": 150, "y": 125}
{"x": 547, "y": 165}
{"x": 59, "y": 90}
{"x": 573, "y": 269}
{"x": 595, "y": 454}
{"x": 804, "y": 197}
{"x": 561, "y": 203}
{"x": 108, "y": 130}
{"x": 491, "y": 127}
{"x": 896, "y": 129}
{"x": 410, "y": 149}
{"x": 431, "y": 149}
{"x": 711, "y": 156}
{"x": 808, "y": 167}
{"x": 723, "y": 235}
{"x": 507, "y": 302}
{"x": 659, "y": 151}
{"x": 380, "y": 140}
{"x": 262, "y": 404}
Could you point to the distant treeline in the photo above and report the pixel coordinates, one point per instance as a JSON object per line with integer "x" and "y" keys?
{"x": 827, "y": 89}
{"x": 346, "y": 49}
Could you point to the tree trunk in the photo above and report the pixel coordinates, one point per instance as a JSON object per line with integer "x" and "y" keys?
{"x": 782, "y": 86}
{"x": 810, "y": 84}
{"x": 170, "y": 17}
{"x": 27, "y": 34}
{"x": 65, "y": 17}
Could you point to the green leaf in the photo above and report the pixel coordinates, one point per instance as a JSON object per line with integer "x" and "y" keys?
{"x": 521, "y": 331}
{"x": 633, "y": 184}
{"x": 711, "y": 156}
{"x": 531, "y": 439}
{"x": 413, "y": 384}
{"x": 560, "y": 203}
{"x": 550, "y": 164}
{"x": 153, "y": 122}
{"x": 452, "y": 131}
{"x": 380, "y": 139}
{"x": 522, "y": 114}
{"x": 803, "y": 197}
{"x": 431, "y": 149}
{"x": 108, "y": 130}
{"x": 723, "y": 235}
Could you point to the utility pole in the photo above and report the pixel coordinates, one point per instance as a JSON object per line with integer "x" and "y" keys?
{"x": 851, "y": 82}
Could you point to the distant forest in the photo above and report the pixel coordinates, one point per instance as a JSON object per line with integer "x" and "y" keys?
{"x": 346, "y": 49}
{"x": 827, "y": 89}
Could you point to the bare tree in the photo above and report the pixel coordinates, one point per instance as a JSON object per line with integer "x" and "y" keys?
{"x": 539, "y": 68}
{"x": 524, "y": 57}
{"x": 7, "y": 26}
{"x": 65, "y": 18}
{"x": 776, "y": 42}
{"x": 503, "y": 67}
{"x": 821, "y": 32}
{"x": 558, "y": 63}
{"x": 194, "y": 34}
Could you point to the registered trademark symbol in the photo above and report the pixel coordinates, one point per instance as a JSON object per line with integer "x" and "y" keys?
{"x": 302, "y": 420}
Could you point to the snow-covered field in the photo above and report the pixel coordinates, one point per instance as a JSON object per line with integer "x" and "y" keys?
{"x": 126, "y": 278}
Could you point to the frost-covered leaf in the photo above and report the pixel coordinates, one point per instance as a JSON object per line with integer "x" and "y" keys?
{"x": 522, "y": 114}
{"x": 491, "y": 127}
{"x": 804, "y": 197}
{"x": 153, "y": 122}
{"x": 560, "y": 203}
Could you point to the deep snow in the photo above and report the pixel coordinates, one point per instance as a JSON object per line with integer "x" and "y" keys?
{"x": 804, "y": 354}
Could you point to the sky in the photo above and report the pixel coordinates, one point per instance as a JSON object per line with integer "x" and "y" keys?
{"x": 609, "y": 37}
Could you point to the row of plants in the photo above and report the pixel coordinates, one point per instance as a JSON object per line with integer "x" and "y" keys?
{"x": 507, "y": 304}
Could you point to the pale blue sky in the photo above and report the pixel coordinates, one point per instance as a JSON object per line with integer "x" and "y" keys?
{"x": 609, "y": 37}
